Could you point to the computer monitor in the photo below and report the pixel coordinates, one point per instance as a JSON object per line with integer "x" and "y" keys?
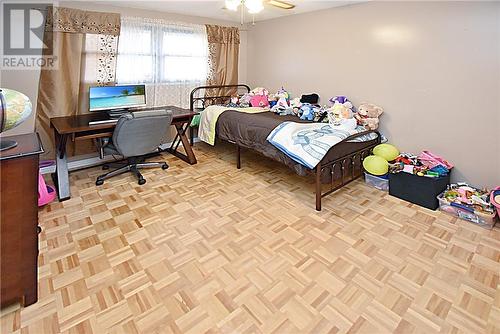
{"x": 116, "y": 99}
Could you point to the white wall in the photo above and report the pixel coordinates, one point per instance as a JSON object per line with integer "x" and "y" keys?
{"x": 433, "y": 66}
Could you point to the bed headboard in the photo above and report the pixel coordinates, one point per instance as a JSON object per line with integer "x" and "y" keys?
{"x": 202, "y": 97}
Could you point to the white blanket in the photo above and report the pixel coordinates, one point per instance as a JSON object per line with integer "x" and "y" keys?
{"x": 308, "y": 143}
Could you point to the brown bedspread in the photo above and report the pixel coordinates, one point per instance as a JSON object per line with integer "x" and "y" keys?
{"x": 252, "y": 130}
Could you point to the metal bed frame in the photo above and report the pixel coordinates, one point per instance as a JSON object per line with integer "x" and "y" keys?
{"x": 341, "y": 171}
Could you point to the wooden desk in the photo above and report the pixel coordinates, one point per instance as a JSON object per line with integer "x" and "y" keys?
{"x": 78, "y": 128}
{"x": 19, "y": 220}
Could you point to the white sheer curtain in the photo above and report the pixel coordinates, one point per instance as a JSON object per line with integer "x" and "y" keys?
{"x": 170, "y": 58}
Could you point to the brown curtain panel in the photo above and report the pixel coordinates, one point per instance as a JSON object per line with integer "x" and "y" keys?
{"x": 59, "y": 87}
{"x": 224, "y": 47}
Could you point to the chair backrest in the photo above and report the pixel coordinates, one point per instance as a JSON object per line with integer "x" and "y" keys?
{"x": 141, "y": 132}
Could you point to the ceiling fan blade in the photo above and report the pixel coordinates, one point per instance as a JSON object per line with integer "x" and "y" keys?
{"x": 281, "y": 4}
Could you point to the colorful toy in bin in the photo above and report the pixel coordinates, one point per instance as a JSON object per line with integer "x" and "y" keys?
{"x": 495, "y": 199}
{"x": 468, "y": 203}
{"x": 432, "y": 160}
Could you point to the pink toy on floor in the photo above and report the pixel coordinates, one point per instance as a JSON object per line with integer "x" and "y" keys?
{"x": 46, "y": 194}
{"x": 495, "y": 199}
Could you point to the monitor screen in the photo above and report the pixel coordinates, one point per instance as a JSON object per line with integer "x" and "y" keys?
{"x": 116, "y": 97}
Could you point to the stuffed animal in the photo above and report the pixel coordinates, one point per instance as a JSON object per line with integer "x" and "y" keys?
{"x": 341, "y": 117}
{"x": 295, "y": 104}
{"x": 245, "y": 100}
{"x": 283, "y": 98}
{"x": 343, "y": 100}
{"x": 368, "y": 115}
{"x": 307, "y": 112}
{"x": 259, "y": 101}
{"x": 260, "y": 91}
{"x": 310, "y": 98}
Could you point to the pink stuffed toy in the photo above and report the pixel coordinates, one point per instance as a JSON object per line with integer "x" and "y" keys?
{"x": 259, "y": 101}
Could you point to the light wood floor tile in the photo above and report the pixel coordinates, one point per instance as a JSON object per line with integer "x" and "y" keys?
{"x": 212, "y": 249}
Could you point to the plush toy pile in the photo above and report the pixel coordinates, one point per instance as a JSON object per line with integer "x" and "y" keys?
{"x": 340, "y": 112}
{"x": 425, "y": 164}
{"x": 469, "y": 197}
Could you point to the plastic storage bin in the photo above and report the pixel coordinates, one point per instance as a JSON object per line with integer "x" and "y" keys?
{"x": 467, "y": 213}
{"x": 376, "y": 181}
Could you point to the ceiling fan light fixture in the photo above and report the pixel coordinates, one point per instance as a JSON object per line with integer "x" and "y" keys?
{"x": 283, "y": 5}
{"x": 233, "y": 4}
{"x": 254, "y": 6}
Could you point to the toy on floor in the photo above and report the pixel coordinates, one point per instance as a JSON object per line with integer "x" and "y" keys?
{"x": 376, "y": 165}
{"x": 432, "y": 160}
{"x": 465, "y": 196}
{"x": 368, "y": 115}
{"x": 495, "y": 199}
{"x": 421, "y": 165}
{"x": 387, "y": 151}
{"x": 46, "y": 194}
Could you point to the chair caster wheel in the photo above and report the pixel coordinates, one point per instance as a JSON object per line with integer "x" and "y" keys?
{"x": 99, "y": 182}
{"x": 105, "y": 167}
{"x": 164, "y": 166}
{"x": 142, "y": 181}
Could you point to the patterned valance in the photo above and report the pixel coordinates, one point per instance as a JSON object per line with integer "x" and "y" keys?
{"x": 223, "y": 35}
{"x": 81, "y": 21}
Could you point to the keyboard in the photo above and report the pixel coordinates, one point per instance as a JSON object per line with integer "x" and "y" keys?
{"x": 105, "y": 121}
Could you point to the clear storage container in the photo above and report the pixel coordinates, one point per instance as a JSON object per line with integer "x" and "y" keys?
{"x": 378, "y": 182}
{"x": 467, "y": 213}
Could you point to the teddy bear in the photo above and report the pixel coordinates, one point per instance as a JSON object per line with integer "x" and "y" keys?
{"x": 368, "y": 115}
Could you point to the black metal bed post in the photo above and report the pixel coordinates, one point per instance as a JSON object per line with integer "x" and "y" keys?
{"x": 342, "y": 160}
{"x": 238, "y": 156}
{"x": 318, "y": 187}
{"x": 193, "y": 99}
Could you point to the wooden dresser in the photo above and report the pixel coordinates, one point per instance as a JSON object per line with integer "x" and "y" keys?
{"x": 19, "y": 220}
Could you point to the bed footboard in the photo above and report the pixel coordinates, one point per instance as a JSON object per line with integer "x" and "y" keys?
{"x": 344, "y": 170}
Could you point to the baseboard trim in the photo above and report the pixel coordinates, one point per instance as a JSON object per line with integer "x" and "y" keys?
{"x": 91, "y": 160}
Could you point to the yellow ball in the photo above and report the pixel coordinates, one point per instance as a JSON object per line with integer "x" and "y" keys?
{"x": 376, "y": 165}
{"x": 386, "y": 151}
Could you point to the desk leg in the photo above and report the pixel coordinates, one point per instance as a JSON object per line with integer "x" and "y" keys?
{"x": 61, "y": 176}
{"x": 181, "y": 137}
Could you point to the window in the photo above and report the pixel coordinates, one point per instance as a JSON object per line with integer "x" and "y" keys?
{"x": 153, "y": 51}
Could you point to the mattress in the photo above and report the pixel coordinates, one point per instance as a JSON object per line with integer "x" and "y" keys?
{"x": 251, "y": 131}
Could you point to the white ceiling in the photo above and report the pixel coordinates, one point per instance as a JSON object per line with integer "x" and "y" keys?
{"x": 215, "y": 8}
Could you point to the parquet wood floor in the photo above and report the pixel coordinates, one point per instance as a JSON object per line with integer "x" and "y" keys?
{"x": 212, "y": 249}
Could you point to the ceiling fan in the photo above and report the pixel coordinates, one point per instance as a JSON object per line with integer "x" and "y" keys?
{"x": 255, "y": 6}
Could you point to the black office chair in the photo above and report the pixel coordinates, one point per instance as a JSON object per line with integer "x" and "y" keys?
{"x": 136, "y": 135}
